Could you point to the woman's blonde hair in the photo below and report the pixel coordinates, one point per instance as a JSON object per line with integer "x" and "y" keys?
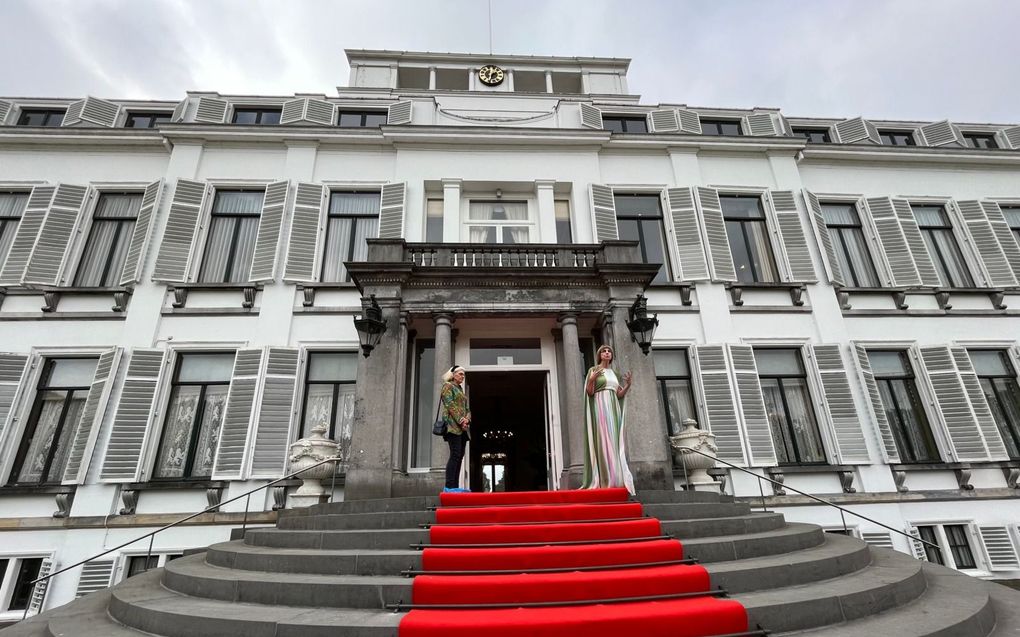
{"x": 448, "y": 376}
{"x": 598, "y": 353}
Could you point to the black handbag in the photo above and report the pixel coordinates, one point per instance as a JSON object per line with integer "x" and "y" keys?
{"x": 439, "y": 426}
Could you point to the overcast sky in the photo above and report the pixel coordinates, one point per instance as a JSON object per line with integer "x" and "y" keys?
{"x": 892, "y": 59}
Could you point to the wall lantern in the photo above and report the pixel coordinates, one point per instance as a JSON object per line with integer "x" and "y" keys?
{"x": 370, "y": 327}
{"x": 642, "y": 328}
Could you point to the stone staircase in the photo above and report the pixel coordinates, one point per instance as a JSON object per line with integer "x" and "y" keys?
{"x": 331, "y": 569}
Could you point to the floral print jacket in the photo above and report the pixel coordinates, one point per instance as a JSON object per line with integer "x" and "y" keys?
{"x": 455, "y": 407}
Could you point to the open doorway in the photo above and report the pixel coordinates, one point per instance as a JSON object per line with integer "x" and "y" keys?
{"x": 508, "y": 431}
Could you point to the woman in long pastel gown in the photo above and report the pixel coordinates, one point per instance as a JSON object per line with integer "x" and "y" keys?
{"x": 605, "y": 460}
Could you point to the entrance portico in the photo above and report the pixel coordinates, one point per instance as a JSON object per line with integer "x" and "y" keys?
{"x": 473, "y": 300}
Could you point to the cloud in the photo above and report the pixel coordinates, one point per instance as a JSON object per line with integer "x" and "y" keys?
{"x": 896, "y": 59}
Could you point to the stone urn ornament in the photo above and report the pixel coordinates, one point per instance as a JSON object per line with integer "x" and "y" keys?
{"x": 695, "y": 465}
{"x": 303, "y": 455}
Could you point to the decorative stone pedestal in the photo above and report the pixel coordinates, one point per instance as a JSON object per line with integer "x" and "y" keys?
{"x": 305, "y": 453}
{"x": 695, "y": 465}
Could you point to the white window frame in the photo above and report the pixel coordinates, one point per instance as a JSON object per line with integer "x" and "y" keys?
{"x": 123, "y": 560}
{"x": 304, "y": 349}
{"x": 975, "y": 543}
{"x": 852, "y": 530}
{"x": 532, "y": 224}
{"x": 32, "y": 105}
{"x": 161, "y": 401}
{"x": 320, "y": 241}
{"x": 149, "y": 109}
{"x": 975, "y": 266}
{"x": 672, "y": 252}
{"x": 8, "y": 580}
{"x": 688, "y": 345}
{"x": 83, "y": 229}
{"x": 247, "y": 103}
{"x": 771, "y": 223}
{"x": 875, "y": 251}
{"x": 201, "y": 237}
{"x": 10, "y": 441}
{"x": 19, "y": 187}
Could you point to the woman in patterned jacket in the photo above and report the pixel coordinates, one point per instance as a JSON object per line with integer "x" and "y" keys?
{"x": 457, "y": 417}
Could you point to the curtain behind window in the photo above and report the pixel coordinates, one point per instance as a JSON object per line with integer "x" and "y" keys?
{"x": 109, "y": 239}
{"x": 12, "y": 206}
{"x": 350, "y": 213}
{"x": 231, "y": 242}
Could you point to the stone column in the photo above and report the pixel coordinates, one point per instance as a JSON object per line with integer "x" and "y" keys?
{"x": 432, "y": 78}
{"x": 573, "y": 421}
{"x": 444, "y": 359}
{"x": 648, "y": 451}
{"x": 548, "y": 82}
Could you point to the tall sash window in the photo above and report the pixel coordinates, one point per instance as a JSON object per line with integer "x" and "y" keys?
{"x": 352, "y": 219}
{"x": 231, "y": 241}
{"x": 106, "y": 249}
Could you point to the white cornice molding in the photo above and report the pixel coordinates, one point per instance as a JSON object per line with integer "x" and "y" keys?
{"x": 909, "y": 155}
{"x": 125, "y": 137}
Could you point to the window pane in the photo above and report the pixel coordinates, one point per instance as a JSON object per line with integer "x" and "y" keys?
{"x": 842, "y": 214}
{"x": 947, "y": 257}
{"x": 959, "y": 546}
{"x": 515, "y": 235}
{"x": 50, "y": 407}
{"x": 854, "y": 257}
{"x": 1012, "y": 214}
{"x": 374, "y": 120}
{"x": 238, "y": 202}
{"x": 318, "y": 408}
{"x": 245, "y": 117}
{"x": 635, "y": 125}
{"x": 482, "y": 234}
{"x": 364, "y": 229}
{"x": 930, "y": 216}
{"x": 671, "y": 362}
{"x": 909, "y": 422}
{"x": 932, "y": 553}
{"x": 425, "y": 402}
{"x": 638, "y": 205}
{"x": 333, "y": 366}
{"x": 270, "y": 117}
{"x": 337, "y": 248}
{"x": 513, "y": 351}
{"x": 71, "y": 372}
{"x": 888, "y": 363}
{"x": 613, "y": 124}
{"x": 72, "y": 417}
{"x": 343, "y": 422}
{"x": 778, "y": 362}
{"x": 652, "y": 248}
{"x": 563, "y": 231}
{"x": 105, "y": 253}
{"x": 173, "y": 452}
{"x": 139, "y": 564}
{"x": 434, "y": 221}
{"x": 244, "y": 249}
{"x": 207, "y": 368}
{"x": 679, "y": 404}
{"x": 977, "y": 140}
{"x": 350, "y": 120}
{"x": 28, "y": 571}
{"x": 354, "y": 203}
{"x": 741, "y": 207}
{"x": 802, "y": 421}
{"x": 772, "y": 394}
{"x": 990, "y": 362}
{"x": 12, "y": 204}
{"x": 1003, "y": 396}
{"x": 751, "y": 252}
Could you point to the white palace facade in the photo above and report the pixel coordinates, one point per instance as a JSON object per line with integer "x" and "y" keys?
{"x": 838, "y": 302}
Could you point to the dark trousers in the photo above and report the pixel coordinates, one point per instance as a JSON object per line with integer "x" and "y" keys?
{"x": 457, "y": 444}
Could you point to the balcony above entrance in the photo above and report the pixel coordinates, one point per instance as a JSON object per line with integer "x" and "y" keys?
{"x": 481, "y": 278}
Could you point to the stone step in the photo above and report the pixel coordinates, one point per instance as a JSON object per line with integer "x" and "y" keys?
{"x": 949, "y": 607}
{"x": 1007, "y": 610}
{"x": 84, "y": 617}
{"x": 143, "y": 604}
{"x": 709, "y": 527}
{"x": 246, "y": 557}
{"x": 837, "y": 556}
{"x": 194, "y": 577}
{"x": 387, "y": 520}
{"x": 365, "y": 539}
{"x": 688, "y": 510}
{"x": 794, "y": 536}
{"x": 385, "y": 505}
{"x": 665, "y": 497}
{"x": 892, "y": 579}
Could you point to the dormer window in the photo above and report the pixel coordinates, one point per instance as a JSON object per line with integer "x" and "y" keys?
{"x": 361, "y": 119}
{"x": 896, "y": 138}
{"x": 41, "y": 117}
{"x": 721, "y": 127}
{"x": 146, "y": 120}
{"x": 257, "y": 116}
{"x": 813, "y": 135}
{"x": 624, "y": 123}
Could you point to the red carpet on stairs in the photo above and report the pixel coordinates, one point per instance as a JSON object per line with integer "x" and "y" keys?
{"x": 474, "y": 586}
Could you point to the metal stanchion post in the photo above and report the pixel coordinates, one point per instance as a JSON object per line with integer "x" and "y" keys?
{"x": 244, "y": 523}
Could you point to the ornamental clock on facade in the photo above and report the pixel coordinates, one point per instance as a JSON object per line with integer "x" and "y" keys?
{"x": 491, "y": 75}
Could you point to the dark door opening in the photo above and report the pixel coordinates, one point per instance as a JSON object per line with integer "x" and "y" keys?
{"x": 508, "y": 431}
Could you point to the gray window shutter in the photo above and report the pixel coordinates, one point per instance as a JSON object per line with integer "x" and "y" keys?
{"x": 273, "y": 424}
{"x": 267, "y": 242}
{"x": 690, "y": 122}
{"x": 761, "y": 125}
{"x": 1005, "y": 236}
{"x": 663, "y": 120}
{"x": 179, "y": 235}
{"x": 752, "y": 406}
{"x": 38, "y": 602}
{"x": 878, "y": 416}
{"x": 84, "y": 437}
{"x": 922, "y": 258}
{"x": 940, "y": 134}
{"x": 717, "y": 396}
{"x": 899, "y": 260}
{"x": 953, "y": 405}
{"x": 977, "y": 226}
{"x": 999, "y": 548}
{"x": 881, "y": 539}
{"x": 91, "y": 110}
{"x": 393, "y": 200}
{"x": 828, "y": 250}
{"x": 916, "y": 546}
{"x": 591, "y": 116}
{"x": 400, "y": 113}
{"x": 856, "y": 130}
{"x": 307, "y": 111}
{"x": 134, "y": 262}
{"x": 134, "y": 411}
{"x": 211, "y": 110}
{"x": 839, "y": 404}
{"x": 304, "y": 233}
{"x": 5, "y": 110}
{"x": 53, "y": 243}
{"x": 603, "y": 208}
{"x": 234, "y": 432}
{"x": 28, "y": 230}
{"x": 13, "y": 372}
{"x": 1011, "y": 136}
{"x": 978, "y": 402}
{"x": 796, "y": 253}
{"x": 719, "y": 258}
{"x": 687, "y": 234}
{"x": 95, "y": 576}
{"x": 179, "y": 111}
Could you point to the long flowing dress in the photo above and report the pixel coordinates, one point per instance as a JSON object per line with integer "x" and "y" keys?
{"x": 605, "y": 460}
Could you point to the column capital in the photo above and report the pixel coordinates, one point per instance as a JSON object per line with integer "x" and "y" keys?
{"x": 452, "y": 182}
{"x": 443, "y": 318}
{"x": 567, "y": 318}
{"x": 545, "y": 184}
